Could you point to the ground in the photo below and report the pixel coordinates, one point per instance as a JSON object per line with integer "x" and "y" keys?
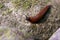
{"x": 13, "y": 23}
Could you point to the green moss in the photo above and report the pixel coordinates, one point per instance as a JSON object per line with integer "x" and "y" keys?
{"x": 16, "y": 2}
{"x": 47, "y": 1}
{"x": 1, "y": 5}
{"x": 24, "y": 3}
{"x": 8, "y": 11}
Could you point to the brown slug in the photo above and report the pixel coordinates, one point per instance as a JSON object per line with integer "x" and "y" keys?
{"x": 36, "y": 18}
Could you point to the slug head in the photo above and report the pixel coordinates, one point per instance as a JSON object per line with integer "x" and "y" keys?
{"x": 27, "y": 18}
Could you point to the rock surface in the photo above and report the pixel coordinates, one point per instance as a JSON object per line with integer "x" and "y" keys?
{"x": 56, "y": 35}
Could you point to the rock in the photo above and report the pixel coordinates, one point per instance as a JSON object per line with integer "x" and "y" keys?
{"x": 56, "y": 35}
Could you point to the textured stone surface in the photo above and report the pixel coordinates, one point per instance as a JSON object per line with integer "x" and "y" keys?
{"x": 56, "y": 35}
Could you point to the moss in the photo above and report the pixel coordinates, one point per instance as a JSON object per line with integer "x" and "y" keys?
{"x": 16, "y": 3}
{"x": 24, "y": 3}
{"x": 2, "y": 31}
{"x": 1, "y": 5}
{"x": 47, "y": 1}
{"x": 8, "y": 11}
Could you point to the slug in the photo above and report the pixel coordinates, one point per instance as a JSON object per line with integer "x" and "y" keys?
{"x": 36, "y": 18}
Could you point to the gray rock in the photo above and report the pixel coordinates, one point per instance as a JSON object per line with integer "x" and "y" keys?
{"x": 56, "y": 35}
